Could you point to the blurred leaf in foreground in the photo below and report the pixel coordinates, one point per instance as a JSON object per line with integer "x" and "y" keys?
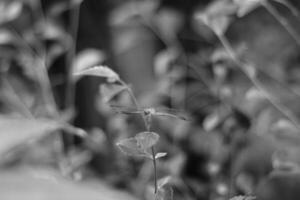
{"x": 40, "y": 185}
{"x": 217, "y": 16}
{"x": 15, "y": 131}
{"x": 243, "y": 198}
{"x": 246, "y": 6}
{"x": 10, "y": 10}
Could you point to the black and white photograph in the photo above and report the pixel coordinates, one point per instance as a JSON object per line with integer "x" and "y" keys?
{"x": 149, "y": 100}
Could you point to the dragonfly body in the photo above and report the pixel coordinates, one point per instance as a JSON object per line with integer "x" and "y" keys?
{"x": 149, "y": 112}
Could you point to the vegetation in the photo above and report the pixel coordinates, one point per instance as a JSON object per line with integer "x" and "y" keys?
{"x": 149, "y": 99}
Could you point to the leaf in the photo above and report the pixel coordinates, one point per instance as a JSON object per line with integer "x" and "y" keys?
{"x": 286, "y": 132}
{"x": 246, "y": 6}
{"x": 285, "y": 126}
{"x": 75, "y": 131}
{"x": 245, "y": 183}
{"x": 163, "y": 181}
{"x": 283, "y": 160}
{"x": 45, "y": 185}
{"x": 165, "y": 194}
{"x": 240, "y": 197}
{"x": 131, "y": 147}
{"x": 160, "y": 155}
{"x": 163, "y": 61}
{"x": 51, "y": 30}
{"x": 61, "y": 6}
{"x": 217, "y": 24}
{"x": 254, "y": 94}
{"x": 87, "y": 58}
{"x": 109, "y": 91}
{"x": 10, "y": 10}
{"x": 217, "y": 16}
{"x": 147, "y": 139}
{"x": 138, "y": 145}
{"x": 250, "y": 70}
{"x": 6, "y": 37}
{"x": 211, "y": 122}
{"x": 77, "y": 2}
{"x": 263, "y": 122}
{"x": 100, "y": 71}
{"x": 15, "y": 131}
{"x": 127, "y": 12}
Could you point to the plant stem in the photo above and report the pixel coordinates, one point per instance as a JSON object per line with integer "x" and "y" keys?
{"x": 131, "y": 94}
{"x": 282, "y": 21}
{"x": 20, "y": 103}
{"x": 290, "y": 7}
{"x": 68, "y": 104}
{"x": 155, "y": 169}
{"x": 73, "y": 30}
{"x": 256, "y": 83}
{"x": 42, "y": 75}
{"x": 135, "y": 102}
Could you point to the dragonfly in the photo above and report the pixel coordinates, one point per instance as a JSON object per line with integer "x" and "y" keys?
{"x": 164, "y": 112}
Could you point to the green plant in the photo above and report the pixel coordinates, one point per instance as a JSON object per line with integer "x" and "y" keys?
{"x": 142, "y": 144}
{"x": 243, "y": 95}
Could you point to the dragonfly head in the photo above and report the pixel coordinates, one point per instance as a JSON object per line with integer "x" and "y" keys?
{"x": 149, "y": 111}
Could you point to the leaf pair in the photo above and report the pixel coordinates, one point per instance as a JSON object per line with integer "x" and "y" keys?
{"x": 140, "y": 144}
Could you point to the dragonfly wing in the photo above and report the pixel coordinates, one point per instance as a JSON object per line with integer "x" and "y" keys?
{"x": 171, "y": 115}
{"x": 125, "y": 110}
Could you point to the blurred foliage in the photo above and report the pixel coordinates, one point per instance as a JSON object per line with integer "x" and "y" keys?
{"x": 231, "y": 66}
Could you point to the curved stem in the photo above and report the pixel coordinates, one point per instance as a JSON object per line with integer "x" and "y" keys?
{"x": 42, "y": 75}
{"x": 290, "y": 7}
{"x": 25, "y": 110}
{"x": 282, "y": 21}
{"x": 256, "y": 83}
{"x": 135, "y": 102}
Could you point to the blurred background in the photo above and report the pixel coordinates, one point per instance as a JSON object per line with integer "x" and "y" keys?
{"x": 231, "y": 67}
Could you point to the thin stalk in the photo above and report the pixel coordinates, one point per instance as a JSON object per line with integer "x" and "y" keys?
{"x": 69, "y": 103}
{"x": 131, "y": 94}
{"x": 155, "y": 169}
{"x": 290, "y": 7}
{"x": 40, "y": 10}
{"x": 42, "y": 74}
{"x": 41, "y": 15}
{"x": 73, "y": 30}
{"x": 240, "y": 64}
{"x": 154, "y": 163}
{"x": 21, "y": 104}
{"x": 135, "y": 102}
{"x": 256, "y": 83}
{"x": 282, "y": 21}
